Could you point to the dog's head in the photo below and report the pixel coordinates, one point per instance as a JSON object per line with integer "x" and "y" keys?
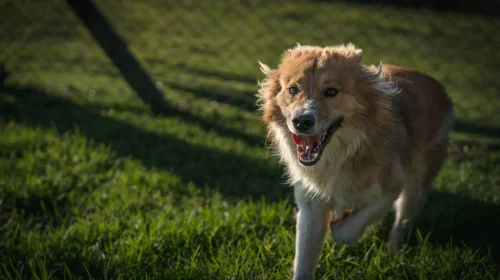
{"x": 317, "y": 91}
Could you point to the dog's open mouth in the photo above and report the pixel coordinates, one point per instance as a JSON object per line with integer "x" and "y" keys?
{"x": 310, "y": 147}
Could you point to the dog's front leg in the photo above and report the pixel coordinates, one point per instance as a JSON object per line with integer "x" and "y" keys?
{"x": 312, "y": 226}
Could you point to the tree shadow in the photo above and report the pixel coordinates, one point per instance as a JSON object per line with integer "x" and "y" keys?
{"x": 233, "y": 175}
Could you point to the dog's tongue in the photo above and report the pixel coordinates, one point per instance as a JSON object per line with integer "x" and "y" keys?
{"x": 308, "y": 140}
{"x": 296, "y": 139}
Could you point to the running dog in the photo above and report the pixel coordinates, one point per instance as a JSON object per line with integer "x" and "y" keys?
{"x": 354, "y": 139}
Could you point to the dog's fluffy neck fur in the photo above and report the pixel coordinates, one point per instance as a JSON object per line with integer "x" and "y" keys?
{"x": 350, "y": 150}
{"x": 353, "y": 149}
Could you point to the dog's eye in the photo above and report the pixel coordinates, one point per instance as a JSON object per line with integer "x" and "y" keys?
{"x": 331, "y": 92}
{"x": 293, "y": 90}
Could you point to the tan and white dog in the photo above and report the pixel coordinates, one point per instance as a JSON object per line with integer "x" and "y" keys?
{"x": 353, "y": 138}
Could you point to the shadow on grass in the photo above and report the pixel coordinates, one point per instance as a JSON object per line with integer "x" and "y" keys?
{"x": 487, "y": 7}
{"x": 446, "y": 215}
{"x": 117, "y": 50}
{"x": 461, "y": 220}
{"x": 217, "y": 74}
{"x": 204, "y": 123}
{"x": 232, "y": 175}
{"x": 242, "y": 99}
{"x": 478, "y": 129}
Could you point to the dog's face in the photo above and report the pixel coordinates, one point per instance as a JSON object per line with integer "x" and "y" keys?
{"x": 315, "y": 92}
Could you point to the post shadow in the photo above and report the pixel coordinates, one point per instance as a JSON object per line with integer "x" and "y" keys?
{"x": 118, "y": 52}
{"x": 138, "y": 79}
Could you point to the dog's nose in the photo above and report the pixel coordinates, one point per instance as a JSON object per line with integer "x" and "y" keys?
{"x": 303, "y": 122}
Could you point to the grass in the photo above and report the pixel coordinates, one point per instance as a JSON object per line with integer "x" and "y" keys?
{"x": 93, "y": 185}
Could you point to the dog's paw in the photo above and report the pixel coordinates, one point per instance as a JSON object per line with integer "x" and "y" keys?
{"x": 303, "y": 277}
{"x": 342, "y": 234}
{"x": 396, "y": 240}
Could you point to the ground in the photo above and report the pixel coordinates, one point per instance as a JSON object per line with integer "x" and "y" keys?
{"x": 93, "y": 185}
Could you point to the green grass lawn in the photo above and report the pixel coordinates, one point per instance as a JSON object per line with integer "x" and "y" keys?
{"x": 93, "y": 185}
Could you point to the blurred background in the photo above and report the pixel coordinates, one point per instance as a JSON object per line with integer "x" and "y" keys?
{"x": 123, "y": 116}
{"x": 210, "y": 49}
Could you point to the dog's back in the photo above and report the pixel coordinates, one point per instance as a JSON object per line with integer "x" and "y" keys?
{"x": 424, "y": 104}
{"x": 427, "y": 115}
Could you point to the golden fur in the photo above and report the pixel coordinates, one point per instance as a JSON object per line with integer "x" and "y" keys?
{"x": 389, "y": 147}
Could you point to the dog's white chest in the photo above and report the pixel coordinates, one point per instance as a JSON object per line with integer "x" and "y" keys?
{"x": 328, "y": 180}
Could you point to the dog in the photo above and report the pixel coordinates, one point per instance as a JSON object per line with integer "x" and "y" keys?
{"x": 352, "y": 137}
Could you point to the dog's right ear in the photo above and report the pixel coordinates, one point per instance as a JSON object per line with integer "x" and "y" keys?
{"x": 269, "y": 87}
{"x": 265, "y": 69}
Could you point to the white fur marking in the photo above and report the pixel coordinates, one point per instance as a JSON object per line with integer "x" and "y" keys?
{"x": 407, "y": 207}
{"x": 445, "y": 129}
{"x": 264, "y": 68}
{"x": 383, "y": 84}
{"x": 311, "y": 229}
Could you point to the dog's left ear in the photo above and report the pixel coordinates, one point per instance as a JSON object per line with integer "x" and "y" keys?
{"x": 358, "y": 55}
{"x": 374, "y": 76}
